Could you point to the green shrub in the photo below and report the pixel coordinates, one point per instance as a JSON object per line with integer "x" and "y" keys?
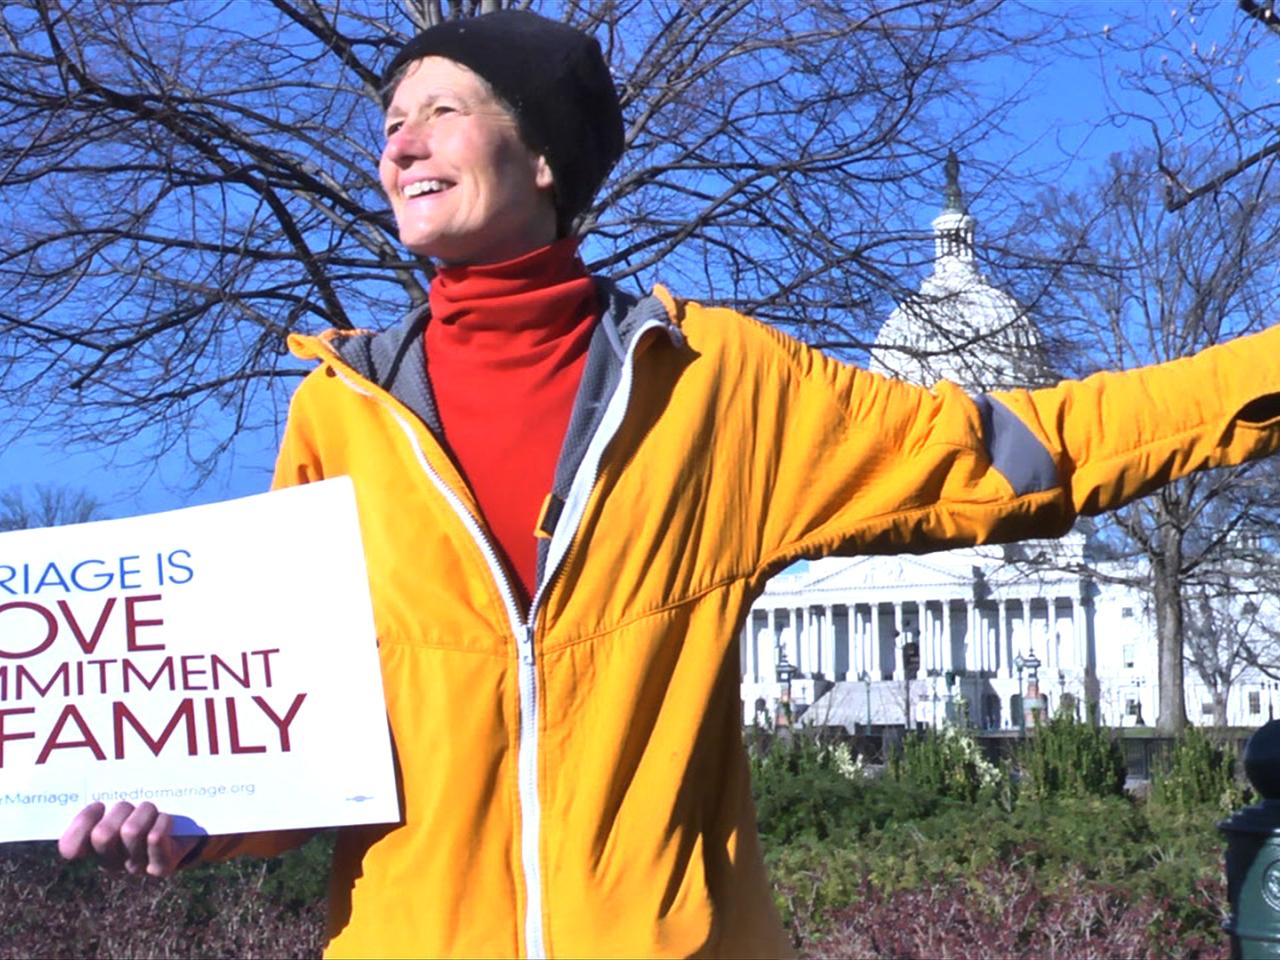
{"x": 1060, "y": 849}
{"x": 1198, "y": 773}
{"x": 945, "y": 763}
{"x": 806, "y": 787}
{"x": 1067, "y": 758}
{"x": 799, "y": 792}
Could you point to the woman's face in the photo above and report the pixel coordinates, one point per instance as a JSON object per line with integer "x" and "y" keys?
{"x": 462, "y": 184}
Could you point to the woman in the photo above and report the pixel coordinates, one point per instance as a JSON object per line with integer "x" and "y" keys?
{"x": 569, "y": 499}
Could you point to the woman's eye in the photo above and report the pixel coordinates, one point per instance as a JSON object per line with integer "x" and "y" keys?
{"x": 442, "y": 110}
{"x": 392, "y": 128}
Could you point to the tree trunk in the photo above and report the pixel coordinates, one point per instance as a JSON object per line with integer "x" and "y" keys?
{"x": 1167, "y": 592}
{"x": 1220, "y": 695}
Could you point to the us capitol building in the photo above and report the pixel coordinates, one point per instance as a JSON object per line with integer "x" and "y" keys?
{"x": 968, "y": 635}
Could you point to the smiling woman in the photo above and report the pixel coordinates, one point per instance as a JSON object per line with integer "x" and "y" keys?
{"x": 463, "y": 186}
{"x": 569, "y": 499}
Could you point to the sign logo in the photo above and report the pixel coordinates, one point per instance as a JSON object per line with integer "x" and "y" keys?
{"x": 1271, "y": 884}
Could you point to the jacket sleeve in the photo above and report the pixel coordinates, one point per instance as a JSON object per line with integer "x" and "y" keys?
{"x": 1117, "y": 436}
{"x": 909, "y": 469}
{"x": 298, "y": 461}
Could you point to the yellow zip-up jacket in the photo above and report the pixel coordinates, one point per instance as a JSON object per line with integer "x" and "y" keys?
{"x": 574, "y": 784}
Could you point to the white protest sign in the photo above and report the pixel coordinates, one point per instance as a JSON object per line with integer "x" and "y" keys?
{"x": 219, "y": 661}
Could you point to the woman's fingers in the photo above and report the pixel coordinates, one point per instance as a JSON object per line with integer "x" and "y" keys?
{"x": 74, "y": 842}
{"x": 137, "y": 839}
{"x": 165, "y": 852}
{"x": 135, "y": 832}
{"x": 105, "y": 836}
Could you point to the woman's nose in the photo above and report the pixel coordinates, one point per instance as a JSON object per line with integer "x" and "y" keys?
{"x": 410, "y": 142}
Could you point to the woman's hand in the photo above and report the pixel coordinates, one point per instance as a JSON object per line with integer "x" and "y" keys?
{"x": 134, "y": 839}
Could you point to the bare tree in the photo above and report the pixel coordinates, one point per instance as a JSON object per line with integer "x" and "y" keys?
{"x": 1233, "y": 604}
{"x": 1230, "y": 633}
{"x": 1145, "y": 284}
{"x": 186, "y": 182}
{"x": 1192, "y": 79}
{"x": 47, "y": 506}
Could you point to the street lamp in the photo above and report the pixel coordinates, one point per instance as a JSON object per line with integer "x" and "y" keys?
{"x": 1019, "y": 663}
{"x": 785, "y": 672}
{"x": 1032, "y": 665}
{"x": 866, "y": 679}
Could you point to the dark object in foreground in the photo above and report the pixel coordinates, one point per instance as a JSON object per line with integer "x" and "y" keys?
{"x": 1253, "y": 853}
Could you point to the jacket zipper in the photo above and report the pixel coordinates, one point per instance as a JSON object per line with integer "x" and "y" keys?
{"x": 584, "y": 481}
{"x": 588, "y": 472}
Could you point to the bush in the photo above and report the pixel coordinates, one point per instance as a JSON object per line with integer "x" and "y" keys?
{"x": 1198, "y": 774}
{"x": 1008, "y": 914}
{"x": 246, "y": 908}
{"x": 945, "y": 763}
{"x": 1067, "y": 877}
{"x": 799, "y": 789}
{"x": 1065, "y": 757}
{"x": 807, "y": 787}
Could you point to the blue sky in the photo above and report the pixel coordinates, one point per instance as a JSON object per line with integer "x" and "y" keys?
{"x": 1056, "y": 130}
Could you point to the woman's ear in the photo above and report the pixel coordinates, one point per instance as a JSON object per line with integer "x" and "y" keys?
{"x": 543, "y": 178}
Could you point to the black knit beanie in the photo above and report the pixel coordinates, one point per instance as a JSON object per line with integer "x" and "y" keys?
{"x": 555, "y": 79}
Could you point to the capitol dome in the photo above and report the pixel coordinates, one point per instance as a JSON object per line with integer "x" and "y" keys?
{"x": 959, "y": 327}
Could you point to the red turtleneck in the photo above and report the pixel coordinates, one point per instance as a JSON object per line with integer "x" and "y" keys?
{"x": 505, "y": 350}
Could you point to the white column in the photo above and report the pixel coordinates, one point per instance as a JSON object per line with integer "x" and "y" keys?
{"x": 801, "y": 658}
{"x": 928, "y": 639}
{"x": 810, "y": 631}
{"x": 1066, "y": 643}
{"x": 899, "y": 668}
{"x": 1002, "y": 659}
{"x": 947, "y": 657}
{"x": 877, "y": 638}
{"x": 857, "y": 659}
{"x": 987, "y": 632}
{"x": 940, "y": 621}
{"x": 815, "y": 647}
{"x": 935, "y": 621}
{"x": 766, "y": 656}
{"x": 1051, "y": 642}
{"x": 828, "y": 643}
{"x": 1080, "y": 634}
{"x": 935, "y": 639}
{"x": 801, "y": 639}
{"x": 924, "y": 634}
{"x": 973, "y": 638}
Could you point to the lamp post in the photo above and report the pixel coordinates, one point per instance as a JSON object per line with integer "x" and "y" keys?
{"x": 867, "y": 696}
{"x": 1018, "y": 664}
{"x": 1033, "y": 696}
{"x": 785, "y": 672}
{"x": 1032, "y": 665}
{"x": 910, "y": 668}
